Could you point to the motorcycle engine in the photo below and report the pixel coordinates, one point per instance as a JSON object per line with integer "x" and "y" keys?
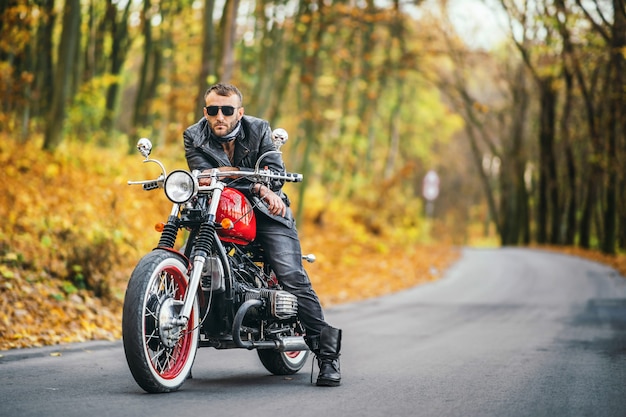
{"x": 253, "y": 284}
{"x": 281, "y": 304}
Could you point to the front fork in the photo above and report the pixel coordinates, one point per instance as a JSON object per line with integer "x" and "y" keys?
{"x": 203, "y": 248}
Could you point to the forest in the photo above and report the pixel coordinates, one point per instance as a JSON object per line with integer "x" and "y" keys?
{"x": 528, "y": 137}
{"x": 527, "y": 132}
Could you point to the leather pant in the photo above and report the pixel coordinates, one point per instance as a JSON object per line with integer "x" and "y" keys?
{"x": 282, "y": 249}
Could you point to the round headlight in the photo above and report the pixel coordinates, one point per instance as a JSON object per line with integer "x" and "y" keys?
{"x": 180, "y": 186}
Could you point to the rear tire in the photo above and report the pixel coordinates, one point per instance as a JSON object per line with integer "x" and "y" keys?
{"x": 283, "y": 363}
{"x": 159, "y": 355}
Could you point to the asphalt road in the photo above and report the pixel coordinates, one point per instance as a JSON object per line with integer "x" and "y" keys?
{"x": 507, "y": 332}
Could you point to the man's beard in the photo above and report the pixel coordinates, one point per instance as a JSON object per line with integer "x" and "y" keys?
{"x": 229, "y": 128}
{"x": 232, "y": 133}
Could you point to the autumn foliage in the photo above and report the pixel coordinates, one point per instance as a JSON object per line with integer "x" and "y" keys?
{"x": 73, "y": 229}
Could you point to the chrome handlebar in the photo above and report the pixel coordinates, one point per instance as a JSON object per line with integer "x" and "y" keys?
{"x": 279, "y": 136}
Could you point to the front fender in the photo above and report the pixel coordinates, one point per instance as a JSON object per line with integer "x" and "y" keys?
{"x": 178, "y": 253}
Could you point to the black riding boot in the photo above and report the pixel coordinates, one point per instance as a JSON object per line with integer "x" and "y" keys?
{"x": 326, "y": 347}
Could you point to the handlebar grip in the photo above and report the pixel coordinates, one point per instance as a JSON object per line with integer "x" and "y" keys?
{"x": 293, "y": 177}
{"x": 153, "y": 185}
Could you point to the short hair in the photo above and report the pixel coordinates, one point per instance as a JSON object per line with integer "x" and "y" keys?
{"x": 225, "y": 90}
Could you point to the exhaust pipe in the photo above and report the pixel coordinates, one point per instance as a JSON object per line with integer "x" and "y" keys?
{"x": 283, "y": 344}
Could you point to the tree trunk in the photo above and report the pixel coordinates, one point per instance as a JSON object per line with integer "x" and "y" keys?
{"x": 548, "y": 205}
{"x": 391, "y": 65}
{"x": 141, "y": 111}
{"x": 308, "y": 96}
{"x": 616, "y": 113}
{"x": 44, "y": 76}
{"x": 229, "y": 29}
{"x": 570, "y": 200}
{"x": 477, "y": 158}
{"x": 273, "y": 69}
{"x": 53, "y": 134}
{"x": 289, "y": 51}
{"x": 367, "y": 106}
{"x": 207, "y": 66}
{"x": 595, "y": 172}
{"x": 119, "y": 47}
{"x": 514, "y": 199}
{"x": 394, "y": 139}
{"x": 591, "y": 196}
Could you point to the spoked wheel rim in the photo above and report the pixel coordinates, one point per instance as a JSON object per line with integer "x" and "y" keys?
{"x": 169, "y": 347}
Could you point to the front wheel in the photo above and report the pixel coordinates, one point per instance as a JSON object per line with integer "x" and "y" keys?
{"x": 159, "y": 351}
{"x": 283, "y": 363}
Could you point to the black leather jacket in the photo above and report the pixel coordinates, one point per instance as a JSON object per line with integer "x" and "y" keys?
{"x": 254, "y": 139}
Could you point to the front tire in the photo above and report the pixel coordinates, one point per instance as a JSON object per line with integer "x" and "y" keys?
{"x": 160, "y": 355}
{"x": 283, "y": 363}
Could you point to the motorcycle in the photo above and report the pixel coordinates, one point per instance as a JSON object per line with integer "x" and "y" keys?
{"x": 217, "y": 290}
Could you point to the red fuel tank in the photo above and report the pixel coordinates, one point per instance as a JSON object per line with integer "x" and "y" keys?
{"x": 236, "y": 207}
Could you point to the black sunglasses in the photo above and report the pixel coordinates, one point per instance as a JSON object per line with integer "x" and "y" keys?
{"x": 226, "y": 110}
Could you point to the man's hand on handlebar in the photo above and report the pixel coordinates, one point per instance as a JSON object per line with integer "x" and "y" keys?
{"x": 275, "y": 204}
{"x": 207, "y": 181}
